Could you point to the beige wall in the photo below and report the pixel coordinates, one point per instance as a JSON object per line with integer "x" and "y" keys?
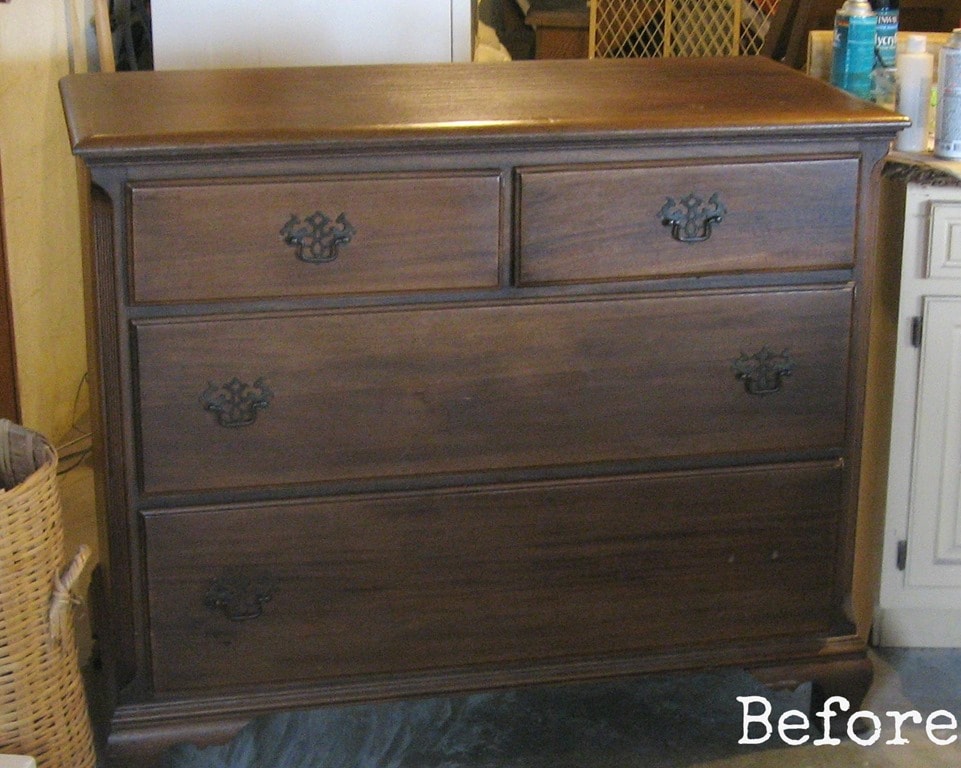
{"x": 40, "y": 212}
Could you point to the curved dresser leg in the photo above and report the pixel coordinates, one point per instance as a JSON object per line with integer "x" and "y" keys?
{"x": 848, "y": 677}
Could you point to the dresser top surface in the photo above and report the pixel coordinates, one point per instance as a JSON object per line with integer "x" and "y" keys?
{"x": 176, "y": 113}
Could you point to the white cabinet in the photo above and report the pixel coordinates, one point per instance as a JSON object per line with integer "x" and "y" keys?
{"x": 932, "y": 555}
{"x": 202, "y": 34}
{"x": 920, "y": 596}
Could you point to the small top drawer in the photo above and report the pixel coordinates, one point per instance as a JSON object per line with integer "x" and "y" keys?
{"x": 255, "y": 238}
{"x": 612, "y": 223}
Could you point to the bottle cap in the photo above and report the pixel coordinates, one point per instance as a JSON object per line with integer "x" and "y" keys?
{"x": 916, "y": 44}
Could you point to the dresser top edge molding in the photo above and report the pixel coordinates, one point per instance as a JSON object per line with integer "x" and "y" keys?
{"x": 252, "y": 112}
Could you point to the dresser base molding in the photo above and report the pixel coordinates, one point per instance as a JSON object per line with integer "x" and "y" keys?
{"x": 141, "y": 733}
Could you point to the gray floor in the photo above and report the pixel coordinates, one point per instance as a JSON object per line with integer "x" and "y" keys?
{"x": 655, "y": 722}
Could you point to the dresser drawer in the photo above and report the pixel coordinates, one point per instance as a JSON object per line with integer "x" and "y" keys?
{"x": 355, "y": 395}
{"x": 206, "y": 241}
{"x": 608, "y": 223}
{"x": 423, "y": 582}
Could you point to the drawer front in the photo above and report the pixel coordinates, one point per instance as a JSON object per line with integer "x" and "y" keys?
{"x": 231, "y": 240}
{"x": 396, "y": 393}
{"x": 416, "y": 583}
{"x": 609, "y": 223}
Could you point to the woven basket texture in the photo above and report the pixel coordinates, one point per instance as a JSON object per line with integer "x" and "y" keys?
{"x": 43, "y": 710}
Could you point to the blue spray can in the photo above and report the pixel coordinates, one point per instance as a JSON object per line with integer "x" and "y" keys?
{"x": 852, "y": 61}
{"x": 885, "y": 52}
{"x": 886, "y": 36}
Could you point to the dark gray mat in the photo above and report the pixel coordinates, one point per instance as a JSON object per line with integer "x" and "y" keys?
{"x": 652, "y": 722}
{"x": 666, "y": 721}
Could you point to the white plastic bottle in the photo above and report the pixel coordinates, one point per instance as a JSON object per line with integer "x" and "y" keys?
{"x": 915, "y": 68}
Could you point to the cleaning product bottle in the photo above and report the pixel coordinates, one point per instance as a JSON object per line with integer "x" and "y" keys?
{"x": 886, "y": 32}
{"x": 885, "y": 51}
{"x": 852, "y": 60}
{"x": 947, "y": 128}
{"x": 915, "y": 70}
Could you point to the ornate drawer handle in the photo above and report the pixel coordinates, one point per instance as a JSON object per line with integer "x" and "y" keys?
{"x": 236, "y": 403}
{"x": 241, "y": 597}
{"x": 691, "y": 219}
{"x": 316, "y": 239}
{"x": 763, "y": 371}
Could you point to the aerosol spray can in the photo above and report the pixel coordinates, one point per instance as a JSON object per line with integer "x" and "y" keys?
{"x": 947, "y": 126}
{"x": 885, "y": 51}
{"x": 886, "y": 36}
{"x": 852, "y": 61}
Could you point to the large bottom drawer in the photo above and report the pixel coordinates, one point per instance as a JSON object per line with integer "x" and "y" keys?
{"x": 397, "y": 584}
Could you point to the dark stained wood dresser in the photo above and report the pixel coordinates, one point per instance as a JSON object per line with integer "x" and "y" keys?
{"x": 418, "y": 379}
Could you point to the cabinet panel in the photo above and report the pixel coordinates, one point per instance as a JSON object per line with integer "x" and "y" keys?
{"x": 421, "y": 582}
{"x": 420, "y": 391}
{"x": 934, "y": 522}
{"x": 944, "y": 246}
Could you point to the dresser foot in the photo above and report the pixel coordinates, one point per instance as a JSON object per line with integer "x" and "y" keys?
{"x": 848, "y": 678}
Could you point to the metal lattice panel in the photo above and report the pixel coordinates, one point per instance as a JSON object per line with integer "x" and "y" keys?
{"x": 648, "y": 28}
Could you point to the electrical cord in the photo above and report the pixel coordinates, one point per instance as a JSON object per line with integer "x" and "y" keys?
{"x": 76, "y": 449}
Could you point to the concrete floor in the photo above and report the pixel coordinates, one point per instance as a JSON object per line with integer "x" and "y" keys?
{"x": 662, "y": 721}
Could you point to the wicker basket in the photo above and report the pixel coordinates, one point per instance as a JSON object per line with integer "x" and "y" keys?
{"x": 43, "y": 710}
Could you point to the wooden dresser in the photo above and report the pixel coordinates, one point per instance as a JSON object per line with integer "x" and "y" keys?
{"x": 418, "y": 379}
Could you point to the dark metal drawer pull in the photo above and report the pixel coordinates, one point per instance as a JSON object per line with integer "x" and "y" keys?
{"x": 763, "y": 371}
{"x": 236, "y": 403}
{"x": 239, "y": 596}
{"x": 691, "y": 219}
{"x": 317, "y": 239}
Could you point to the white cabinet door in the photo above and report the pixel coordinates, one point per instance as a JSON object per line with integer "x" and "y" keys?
{"x": 202, "y": 34}
{"x": 933, "y": 550}
{"x": 920, "y": 596}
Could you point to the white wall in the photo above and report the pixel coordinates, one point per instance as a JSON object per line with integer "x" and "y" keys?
{"x": 41, "y": 216}
{"x": 190, "y": 34}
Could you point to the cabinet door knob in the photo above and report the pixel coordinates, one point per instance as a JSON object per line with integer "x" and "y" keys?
{"x": 317, "y": 239}
{"x": 763, "y": 372}
{"x": 690, "y": 218}
{"x": 235, "y": 403}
